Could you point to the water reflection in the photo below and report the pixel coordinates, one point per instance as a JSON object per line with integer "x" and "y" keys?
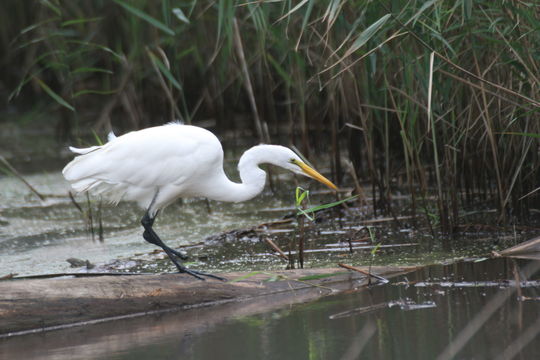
{"x": 480, "y": 323}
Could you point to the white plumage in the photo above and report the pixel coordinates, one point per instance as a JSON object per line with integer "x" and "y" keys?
{"x": 155, "y": 166}
{"x": 171, "y": 158}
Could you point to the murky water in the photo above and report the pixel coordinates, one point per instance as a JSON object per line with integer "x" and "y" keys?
{"x": 36, "y": 237}
{"x": 405, "y": 319}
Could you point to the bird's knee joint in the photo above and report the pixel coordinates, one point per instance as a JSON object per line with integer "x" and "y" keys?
{"x": 147, "y": 221}
{"x": 146, "y": 235}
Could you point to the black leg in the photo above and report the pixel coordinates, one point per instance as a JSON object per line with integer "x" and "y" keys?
{"x": 151, "y": 236}
{"x": 150, "y": 239}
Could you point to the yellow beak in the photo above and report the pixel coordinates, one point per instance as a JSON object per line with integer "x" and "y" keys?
{"x": 312, "y": 173}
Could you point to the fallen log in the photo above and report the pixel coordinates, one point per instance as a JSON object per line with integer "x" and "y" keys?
{"x": 35, "y": 305}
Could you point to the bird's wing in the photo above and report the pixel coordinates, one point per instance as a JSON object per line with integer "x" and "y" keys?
{"x": 151, "y": 158}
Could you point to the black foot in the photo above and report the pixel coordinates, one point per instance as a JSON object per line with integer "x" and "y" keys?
{"x": 179, "y": 254}
{"x": 198, "y": 274}
{"x": 151, "y": 236}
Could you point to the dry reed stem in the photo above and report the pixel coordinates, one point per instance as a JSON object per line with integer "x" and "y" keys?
{"x": 277, "y": 249}
{"x": 20, "y": 177}
{"x": 369, "y": 274}
{"x": 263, "y": 137}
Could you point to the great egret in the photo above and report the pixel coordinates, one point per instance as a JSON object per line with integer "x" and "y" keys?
{"x": 158, "y": 165}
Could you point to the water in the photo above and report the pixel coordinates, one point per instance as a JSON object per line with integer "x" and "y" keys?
{"x": 36, "y": 237}
{"x": 415, "y": 316}
{"x": 435, "y": 317}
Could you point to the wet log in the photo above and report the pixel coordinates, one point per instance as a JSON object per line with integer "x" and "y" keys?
{"x": 35, "y": 305}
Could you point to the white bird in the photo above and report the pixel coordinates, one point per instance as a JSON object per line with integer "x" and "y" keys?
{"x": 156, "y": 166}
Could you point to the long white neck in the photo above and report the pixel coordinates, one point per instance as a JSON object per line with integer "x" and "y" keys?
{"x": 252, "y": 176}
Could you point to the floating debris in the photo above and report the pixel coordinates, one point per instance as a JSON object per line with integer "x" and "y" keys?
{"x": 275, "y": 231}
{"x": 75, "y": 263}
{"x": 404, "y": 304}
{"x": 332, "y": 232}
{"x": 408, "y": 305}
{"x": 232, "y": 236}
{"x": 341, "y": 244}
{"x": 359, "y": 311}
{"x": 367, "y": 273}
{"x": 8, "y": 276}
{"x": 347, "y": 248}
{"x": 474, "y": 284}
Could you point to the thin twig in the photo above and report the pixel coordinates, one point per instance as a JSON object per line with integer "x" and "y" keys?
{"x": 277, "y": 249}
{"x": 284, "y": 277}
{"x": 471, "y": 84}
{"x": 75, "y": 202}
{"x": 349, "y": 267}
{"x": 15, "y": 173}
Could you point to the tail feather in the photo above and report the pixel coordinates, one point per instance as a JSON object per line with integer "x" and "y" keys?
{"x": 77, "y": 170}
{"x": 93, "y": 171}
{"x": 84, "y": 184}
{"x": 83, "y": 151}
{"x": 82, "y": 172}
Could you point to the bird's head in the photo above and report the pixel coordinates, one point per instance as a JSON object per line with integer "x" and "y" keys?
{"x": 288, "y": 159}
